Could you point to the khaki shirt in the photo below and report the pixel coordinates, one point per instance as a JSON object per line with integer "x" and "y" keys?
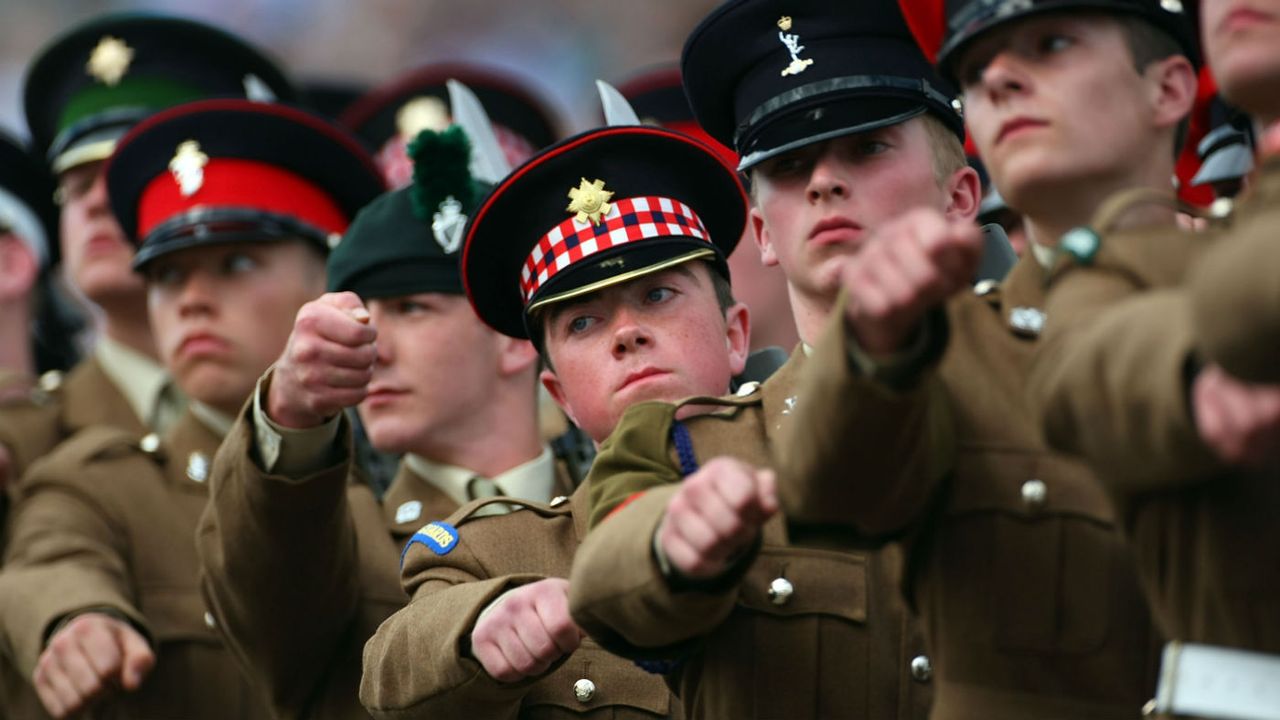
{"x": 1027, "y": 592}
{"x": 1113, "y": 380}
{"x": 837, "y": 642}
{"x": 106, "y": 523}
{"x": 414, "y": 665}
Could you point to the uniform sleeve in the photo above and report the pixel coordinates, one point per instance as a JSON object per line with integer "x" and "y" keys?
{"x": 66, "y": 556}
{"x": 280, "y": 567}
{"x": 859, "y": 453}
{"x": 1236, "y": 289}
{"x": 618, "y": 595}
{"x": 419, "y": 663}
{"x": 1110, "y": 379}
{"x": 29, "y": 430}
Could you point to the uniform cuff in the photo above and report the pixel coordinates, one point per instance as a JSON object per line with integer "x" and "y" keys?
{"x": 290, "y": 452}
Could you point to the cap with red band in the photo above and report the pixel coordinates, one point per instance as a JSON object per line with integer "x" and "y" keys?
{"x": 596, "y": 210}
{"x": 232, "y": 170}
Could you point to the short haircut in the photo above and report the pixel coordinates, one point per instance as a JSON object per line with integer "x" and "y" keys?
{"x": 1147, "y": 44}
{"x": 948, "y": 151}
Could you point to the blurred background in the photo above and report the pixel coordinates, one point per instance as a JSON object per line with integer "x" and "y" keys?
{"x": 559, "y": 46}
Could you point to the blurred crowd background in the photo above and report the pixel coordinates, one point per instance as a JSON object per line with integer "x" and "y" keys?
{"x": 560, "y": 46}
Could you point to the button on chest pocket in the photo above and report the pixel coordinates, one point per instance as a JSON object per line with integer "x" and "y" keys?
{"x": 1028, "y": 552}
{"x": 594, "y": 679}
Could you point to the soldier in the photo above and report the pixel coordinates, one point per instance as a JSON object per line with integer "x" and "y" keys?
{"x": 81, "y": 94}
{"x": 658, "y": 98}
{"x": 395, "y": 336}
{"x": 1187, "y": 448}
{"x": 234, "y": 203}
{"x": 1029, "y": 597}
{"x": 644, "y": 316}
{"x": 27, "y": 228}
{"x": 842, "y": 125}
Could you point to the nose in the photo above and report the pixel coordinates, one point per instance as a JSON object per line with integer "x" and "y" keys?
{"x": 96, "y": 198}
{"x": 1003, "y": 76}
{"x": 198, "y": 294}
{"x": 826, "y": 181}
{"x": 629, "y": 335}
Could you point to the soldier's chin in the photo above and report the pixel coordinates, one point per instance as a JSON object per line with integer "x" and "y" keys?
{"x": 215, "y": 384}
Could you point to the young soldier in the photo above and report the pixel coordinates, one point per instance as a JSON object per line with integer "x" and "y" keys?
{"x": 843, "y": 125}
{"x": 1028, "y": 595}
{"x": 234, "y": 203}
{"x": 641, "y": 311}
{"x": 83, "y": 92}
{"x": 1188, "y": 449}
{"x": 396, "y": 337}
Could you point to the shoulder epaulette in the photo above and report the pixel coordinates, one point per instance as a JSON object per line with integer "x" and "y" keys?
{"x": 558, "y": 507}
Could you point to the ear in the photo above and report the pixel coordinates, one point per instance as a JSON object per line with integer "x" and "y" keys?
{"x": 515, "y": 356}
{"x": 738, "y": 336}
{"x": 556, "y": 391}
{"x": 18, "y": 268}
{"x": 964, "y": 194}
{"x": 761, "y": 234}
{"x": 1173, "y": 88}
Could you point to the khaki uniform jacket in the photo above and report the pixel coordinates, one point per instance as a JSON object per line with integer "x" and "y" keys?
{"x": 300, "y": 572}
{"x": 105, "y": 525}
{"x": 1113, "y": 379}
{"x": 85, "y": 397}
{"x": 839, "y": 645}
{"x": 417, "y": 664}
{"x": 1236, "y": 291}
{"x": 1026, "y": 589}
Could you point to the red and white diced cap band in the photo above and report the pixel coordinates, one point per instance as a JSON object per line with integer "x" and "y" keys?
{"x": 628, "y": 221}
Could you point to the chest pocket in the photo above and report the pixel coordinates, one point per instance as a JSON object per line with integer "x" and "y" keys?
{"x": 1028, "y": 552}
{"x": 593, "y": 680}
{"x": 789, "y": 581}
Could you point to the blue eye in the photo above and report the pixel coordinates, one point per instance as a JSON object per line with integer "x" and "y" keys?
{"x": 166, "y": 275}
{"x": 1050, "y": 44}
{"x": 579, "y": 324}
{"x": 237, "y": 263}
{"x": 658, "y": 294}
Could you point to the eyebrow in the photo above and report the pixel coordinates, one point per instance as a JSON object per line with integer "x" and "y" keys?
{"x": 556, "y": 310}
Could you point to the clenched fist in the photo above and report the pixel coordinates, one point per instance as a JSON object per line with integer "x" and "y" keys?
{"x": 525, "y": 631}
{"x": 715, "y": 515}
{"x": 88, "y": 658}
{"x": 1238, "y": 421}
{"x": 327, "y": 364}
{"x": 908, "y": 267}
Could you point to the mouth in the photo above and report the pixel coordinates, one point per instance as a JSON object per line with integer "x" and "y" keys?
{"x": 1016, "y": 126}
{"x": 381, "y": 395}
{"x": 103, "y": 244}
{"x": 202, "y": 344}
{"x": 641, "y": 376}
{"x": 835, "y": 230}
{"x": 1242, "y": 18}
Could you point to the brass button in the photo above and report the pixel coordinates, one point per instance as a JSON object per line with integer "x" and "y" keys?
{"x": 921, "y": 668}
{"x": 747, "y": 388}
{"x": 198, "y": 466}
{"x": 209, "y": 622}
{"x": 50, "y": 381}
{"x": 559, "y": 500}
{"x": 584, "y": 690}
{"x": 780, "y": 591}
{"x": 1034, "y": 494}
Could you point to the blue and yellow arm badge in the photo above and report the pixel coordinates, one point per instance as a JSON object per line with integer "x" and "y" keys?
{"x": 438, "y": 537}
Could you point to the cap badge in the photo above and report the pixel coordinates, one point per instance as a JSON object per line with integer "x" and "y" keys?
{"x": 590, "y": 202}
{"x": 109, "y": 60}
{"x": 792, "y": 41}
{"x": 447, "y": 224}
{"x": 187, "y": 167}
{"x": 422, "y": 113}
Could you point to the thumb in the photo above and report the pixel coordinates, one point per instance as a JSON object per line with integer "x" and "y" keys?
{"x": 349, "y": 302}
{"x": 767, "y": 491}
{"x": 137, "y": 658}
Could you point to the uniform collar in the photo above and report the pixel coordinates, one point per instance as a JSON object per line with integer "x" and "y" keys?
{"x": 218, "y": 422}
{"x": 534, "y": 480}
{"x": 139, "y": 378}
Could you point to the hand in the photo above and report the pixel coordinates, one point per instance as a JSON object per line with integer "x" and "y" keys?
{"x": 86, "y": 659}
{"x": 1240, "y": 422}
{"x": 327, "y": 364}
{"x": 715, "y": 515}
{"x": 525, "y": 631}
{"x": 908, "y": 267}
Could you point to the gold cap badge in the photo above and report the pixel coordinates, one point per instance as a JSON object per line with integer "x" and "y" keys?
{"x": 590, "y": 201}
{"x": 109, "y": 60}
{"x": 422, "y": 113}
{"x": 794, "y": 48}
{"x": 187, "y": 167}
